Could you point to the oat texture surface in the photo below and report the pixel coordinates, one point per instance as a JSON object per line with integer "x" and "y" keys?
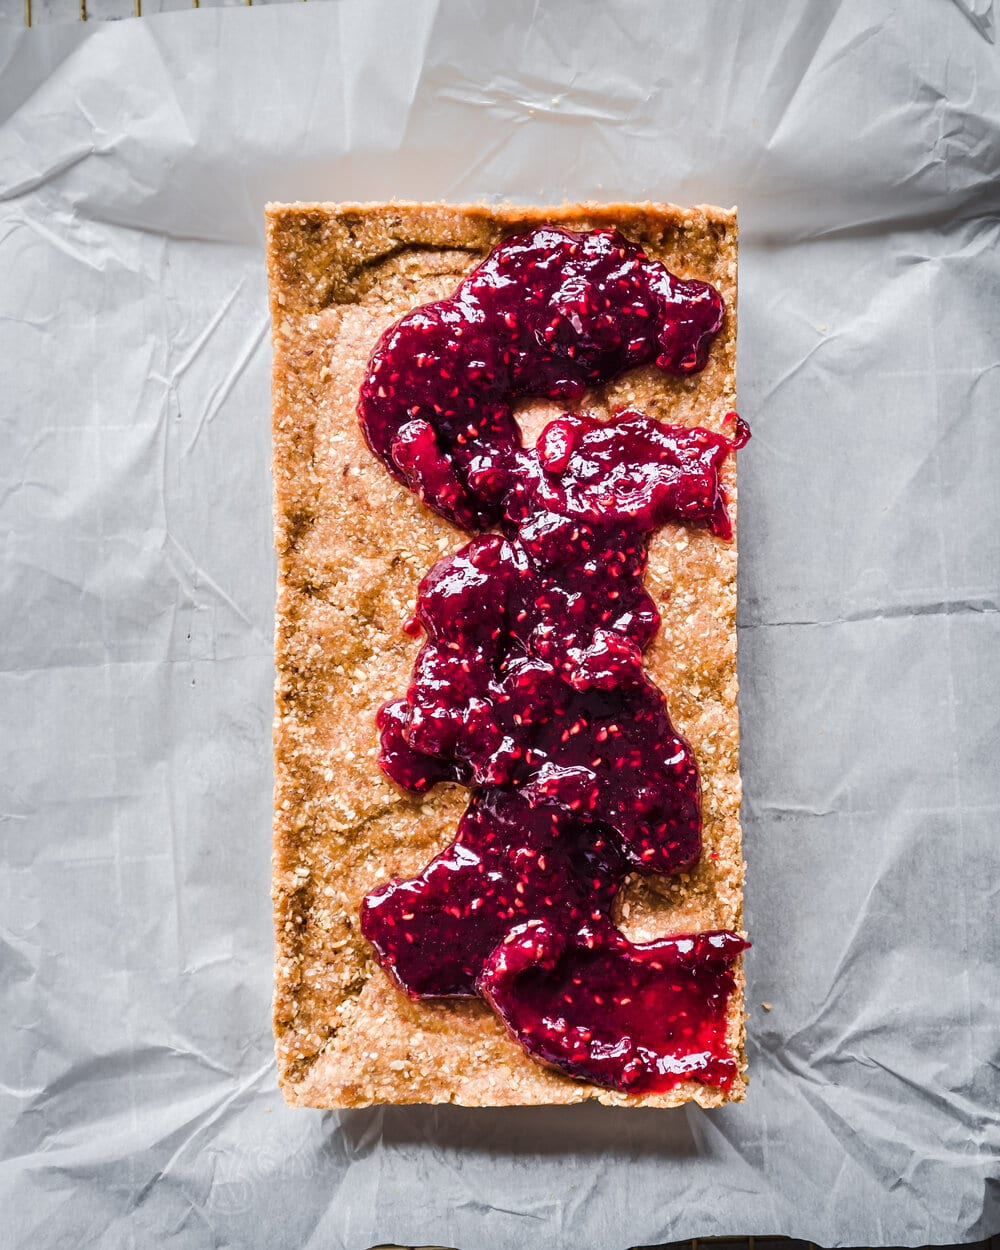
{"x": 352, "y": 546}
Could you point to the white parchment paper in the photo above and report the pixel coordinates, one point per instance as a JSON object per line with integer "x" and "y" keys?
{"x": 862, "y": 143}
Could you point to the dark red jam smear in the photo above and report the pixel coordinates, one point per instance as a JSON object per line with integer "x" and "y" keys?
{"x": 546, "y": 315}
{"x": 637, "y": 1018}
{"x": 530, "y": 688}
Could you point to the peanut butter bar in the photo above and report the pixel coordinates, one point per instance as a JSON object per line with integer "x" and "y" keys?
{"x": 353, "y": 544}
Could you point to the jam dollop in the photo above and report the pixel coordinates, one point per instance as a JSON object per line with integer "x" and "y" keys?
{"x": 529, "y": 688}
{"x": 639, "y": 1018}
{"x": 546, "y": 315}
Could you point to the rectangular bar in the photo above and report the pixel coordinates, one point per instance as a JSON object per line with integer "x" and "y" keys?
{"x": 352, "y": 547}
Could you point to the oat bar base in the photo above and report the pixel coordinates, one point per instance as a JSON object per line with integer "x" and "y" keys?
{"x": 352, "y": 546}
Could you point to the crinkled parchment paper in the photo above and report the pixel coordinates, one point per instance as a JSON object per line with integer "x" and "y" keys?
{"x": 862, "y": 143}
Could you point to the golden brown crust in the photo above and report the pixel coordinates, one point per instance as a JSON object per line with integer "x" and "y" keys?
{"x": 352, "y": 547}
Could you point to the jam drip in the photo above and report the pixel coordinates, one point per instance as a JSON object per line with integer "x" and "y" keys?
{"x": 530, "y": 688}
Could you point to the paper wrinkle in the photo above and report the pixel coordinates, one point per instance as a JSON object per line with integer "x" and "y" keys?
{"x": 221, "y": 392}
{"x": 861, "y": 144}
{"x": 980, "y": 14}
{"x": 954, "y": 607}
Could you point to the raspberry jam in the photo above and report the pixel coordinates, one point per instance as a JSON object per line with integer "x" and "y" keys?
{"x": 546, "y": 315}
{"x": 529, "y": 688}
{"x": 636, "y": 1018}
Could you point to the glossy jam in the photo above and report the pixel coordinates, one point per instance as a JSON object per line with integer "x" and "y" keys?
{"x": 637, "y": 1018}
{"x": 530, "y": 688}
{"x": 547, "y": 314}
{"x": 510, "y": 863}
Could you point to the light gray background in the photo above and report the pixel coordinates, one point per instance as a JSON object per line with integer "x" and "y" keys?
{"x": 862, "y": 143}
